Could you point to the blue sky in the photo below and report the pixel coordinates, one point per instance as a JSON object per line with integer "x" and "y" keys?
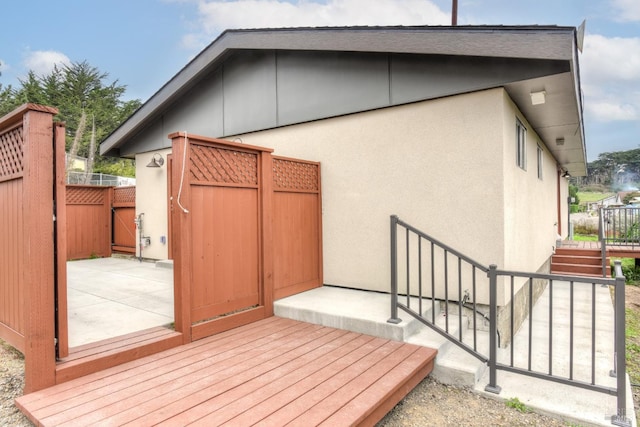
{"x": 143, "y": 43}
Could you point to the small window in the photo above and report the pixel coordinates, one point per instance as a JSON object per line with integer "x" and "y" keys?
{"x": 521, "y": 145}
{"x": 540, "y": 159}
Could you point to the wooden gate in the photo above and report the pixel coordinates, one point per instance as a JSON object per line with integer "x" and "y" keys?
{"x": 33, "y": 269}
{"x": 123, "y": 216}
{"x": 222, "y": 209}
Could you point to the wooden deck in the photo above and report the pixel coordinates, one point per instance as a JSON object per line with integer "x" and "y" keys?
{"x": 273, "y": 372}
{"x": 621, "y": 251}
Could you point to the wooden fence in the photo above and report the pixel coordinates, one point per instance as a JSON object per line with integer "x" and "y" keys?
{"x": 27, "y": 248}
{"x": 235, "y": 209}
{"x": 88, "y": 221}
{"x": 123, "y": 216}
{"x": 100, "y": 220}
{"x": 297, "y": 226}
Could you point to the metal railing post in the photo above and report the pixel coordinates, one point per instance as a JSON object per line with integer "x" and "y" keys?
{"x": 394, "y": 271}
{"x": 603, "y": 243}
{"x": 493, "y": 387}
{"x": 620, "y": 418}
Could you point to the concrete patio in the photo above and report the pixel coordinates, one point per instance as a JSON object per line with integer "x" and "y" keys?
{"x": 109, "y": 297}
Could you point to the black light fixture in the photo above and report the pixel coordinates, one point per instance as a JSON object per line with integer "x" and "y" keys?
{"x": 566, "y": 174}
{"x": 156, "y": 161}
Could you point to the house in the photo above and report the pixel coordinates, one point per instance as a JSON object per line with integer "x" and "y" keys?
{"x": 464, "y": 132}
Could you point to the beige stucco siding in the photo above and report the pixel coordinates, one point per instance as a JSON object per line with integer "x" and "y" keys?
{"x": 151, "y": 199}
{"x": 530, "y": 226}
{"x": 436, "y": 164}
{"x": 446, "y": 166}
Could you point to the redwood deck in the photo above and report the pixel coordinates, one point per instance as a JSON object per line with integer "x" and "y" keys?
{"x": 621, "y": 251}
{"x": 272, "y": 372}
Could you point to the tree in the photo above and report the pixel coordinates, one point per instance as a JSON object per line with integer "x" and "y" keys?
{"x": 573, "y": 193}
{"x": 81, "y": 93}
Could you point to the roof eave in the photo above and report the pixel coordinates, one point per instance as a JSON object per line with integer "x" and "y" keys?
{"x": 434, "y": 40}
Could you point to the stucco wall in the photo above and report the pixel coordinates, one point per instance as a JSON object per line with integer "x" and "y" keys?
{"x": 151, "y": 199}
{"x": 446, "y": 166}
{"x": 530, "y": 225}
{"x": 436, "y": 164}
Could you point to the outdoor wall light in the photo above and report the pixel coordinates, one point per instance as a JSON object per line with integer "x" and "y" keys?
{"x": 566, "y": 174}
{"x": 156, "y": 161}
{"x": 539, "y": 97}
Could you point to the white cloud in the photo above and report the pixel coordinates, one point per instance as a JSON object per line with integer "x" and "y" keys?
{"x": 610, "y": 68}
{"x": 606, "y": 111}
{"x": 627, "y": 10}
{"x": 4, "y": 67}
{"x": 218, "y": 15}
{"x": 611, "y": 58}
{"x": 41, "y": 62}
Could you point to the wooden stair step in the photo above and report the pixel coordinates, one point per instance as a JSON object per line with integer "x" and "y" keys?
{"x": 578, "y": 252}
{"x": 573, "y": 259}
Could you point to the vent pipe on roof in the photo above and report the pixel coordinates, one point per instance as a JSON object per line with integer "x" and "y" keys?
{"x": 454, "y": 13}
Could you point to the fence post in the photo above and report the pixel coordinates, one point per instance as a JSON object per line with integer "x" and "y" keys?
{"x": 493, "y": 386}
{"x": 394, "y": 271}
{"x": 620, "y": 418}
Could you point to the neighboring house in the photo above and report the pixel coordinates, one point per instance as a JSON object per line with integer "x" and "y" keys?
{"x": 613, "y": 200}
{"x": 464, "y": 132}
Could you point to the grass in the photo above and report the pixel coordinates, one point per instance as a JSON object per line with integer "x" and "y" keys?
{"x": 515, "y": 403}
{"x": 633, "y": 344}
{"x": 585, "y": 238}
{"x": 592, "y": 196}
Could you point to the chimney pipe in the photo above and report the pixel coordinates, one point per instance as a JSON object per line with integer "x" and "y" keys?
{"x": 454, "y": 13}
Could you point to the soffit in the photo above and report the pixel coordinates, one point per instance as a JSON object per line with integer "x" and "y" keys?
{"x": 557, "y": 121}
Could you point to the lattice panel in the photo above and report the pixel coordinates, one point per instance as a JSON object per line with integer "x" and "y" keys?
{"x": 85, "y": 196}
{"x": 124, "y": 195}
{"x": 11, "y": 147}
{"x": 292, "y": 175}
{"x": 217, "y": 165}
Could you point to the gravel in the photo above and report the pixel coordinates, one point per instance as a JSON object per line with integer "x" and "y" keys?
{"x": 435, "y": 404}
{"x": 11, "y": 385}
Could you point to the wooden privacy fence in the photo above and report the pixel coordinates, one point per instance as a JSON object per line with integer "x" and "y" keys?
{"x": 246, "y": 227}
{"x": 29, "y": 267}
{"x": 88, "y": 221}
{"x": 122, "y": 220}
{"x": 297, "y": 232}
{"x": 100, "y": 220}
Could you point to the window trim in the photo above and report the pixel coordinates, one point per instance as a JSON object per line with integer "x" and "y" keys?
{"x": 521, "y": 145}
{"x": 540, "y": 155}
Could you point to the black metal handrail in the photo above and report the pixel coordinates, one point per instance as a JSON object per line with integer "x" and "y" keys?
{"x": 620, "y": 226}
{"x": 439, "y": 258}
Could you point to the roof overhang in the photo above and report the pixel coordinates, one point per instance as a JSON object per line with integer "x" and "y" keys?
{"x": 560, "y": 116}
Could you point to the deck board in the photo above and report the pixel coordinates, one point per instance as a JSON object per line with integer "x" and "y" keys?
{"x": 273, "y": 372}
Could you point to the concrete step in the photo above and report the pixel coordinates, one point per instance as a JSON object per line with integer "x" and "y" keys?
{"x": 454, "y": 365}
{"x": 368, "y": 312}
{"x": 166, "y": 263}
{"x": 349, "y": 309}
